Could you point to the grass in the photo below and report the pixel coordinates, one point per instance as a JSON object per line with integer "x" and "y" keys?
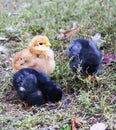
{"x": 25, "y": 18}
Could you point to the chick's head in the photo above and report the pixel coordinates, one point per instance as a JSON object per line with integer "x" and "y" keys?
{"x": 38, "y": 43}
{"x": 74, "y": 48}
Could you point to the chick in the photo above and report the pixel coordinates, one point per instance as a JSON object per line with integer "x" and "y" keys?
{"x": 86, "y": 53}
{"x": 38, "y": 55}
{"x": 25, "y": 83}
{"x": 35, "y": 87}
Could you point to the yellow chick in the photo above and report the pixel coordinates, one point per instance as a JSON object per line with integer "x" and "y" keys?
{"x": 38, "y": 55}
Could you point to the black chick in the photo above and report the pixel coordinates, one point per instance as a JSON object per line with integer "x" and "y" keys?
{"x": 35, "y": 87}
{"x": 86, "y": 53}
{"x": 25, "y": 83}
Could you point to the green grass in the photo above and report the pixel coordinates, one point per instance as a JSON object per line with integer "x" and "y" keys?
{"x": 81, "y": 97}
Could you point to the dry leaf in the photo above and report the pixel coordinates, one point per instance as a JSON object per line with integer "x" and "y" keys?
{"x": 73, "y": 126}
{"x": 71, "y": 33}
{"x": 98, "y": 39}
{"x": 91, "y": 120}
{"x": 76, "y": 122}
{"x": 108, "y": 58}
{"x": 98, "y": 126}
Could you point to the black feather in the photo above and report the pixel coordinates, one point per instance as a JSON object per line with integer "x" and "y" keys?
{"x": 53, "y": 91}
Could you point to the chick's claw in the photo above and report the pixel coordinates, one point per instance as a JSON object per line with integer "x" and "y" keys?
{"x": 25, "y": 105}
{"x": 96, "y": 78}
{"x": 89, "y": 77}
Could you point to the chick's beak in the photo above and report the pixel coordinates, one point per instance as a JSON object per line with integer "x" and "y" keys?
{"x": 48, "y": 44}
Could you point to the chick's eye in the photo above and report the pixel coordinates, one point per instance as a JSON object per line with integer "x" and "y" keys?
{"x": 40, "y": 43}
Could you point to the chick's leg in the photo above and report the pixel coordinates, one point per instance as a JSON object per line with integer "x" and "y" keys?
{"x": 96, "y": 78}
{"x": 25, "y": 105}
{"x": 89, "y": 77}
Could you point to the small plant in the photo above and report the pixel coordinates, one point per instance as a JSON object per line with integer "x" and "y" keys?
{"x": 65, "y": 127}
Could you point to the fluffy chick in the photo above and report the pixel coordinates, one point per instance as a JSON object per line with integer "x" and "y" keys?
{"x": 35, "y": 87}
{"x": 25, "y": 83}
{"x": 86, "y": 53}
{"x": 38, "y": 55}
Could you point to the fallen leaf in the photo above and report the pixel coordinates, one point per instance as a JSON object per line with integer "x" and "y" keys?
{"x": 76, "y": 122}
{"x": 73, "y": 126}
{"x": 98, "y": 126}
{"x": 92, "y": 119}
{"x": 98, "y": 39}
{"x": 70, "y": 33}
{"x": 108, "y": 58}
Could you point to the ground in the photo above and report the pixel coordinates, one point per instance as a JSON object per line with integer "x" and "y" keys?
{"x": 61, "y": 21}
